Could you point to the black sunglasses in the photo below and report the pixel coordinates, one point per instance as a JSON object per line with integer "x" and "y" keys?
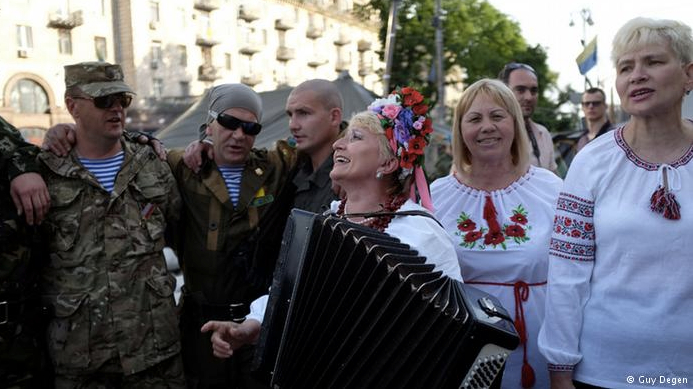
{"x": 593, "y": 103}
{"x": 232, "y": 123}
{"x": 106, "y": 102}
{"x": 517, "y": 65}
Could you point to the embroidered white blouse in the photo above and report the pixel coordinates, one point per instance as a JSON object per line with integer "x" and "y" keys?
{"x": 619, "y": 300}
{"x": 517, "y": 252}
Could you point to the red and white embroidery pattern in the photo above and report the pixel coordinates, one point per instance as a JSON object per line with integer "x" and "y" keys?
{"x": 573, "y": 236}
{"x": 482, "y": 237}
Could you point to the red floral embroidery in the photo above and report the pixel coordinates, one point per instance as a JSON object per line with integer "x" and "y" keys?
{"x": 494, "y": 238}
{"x": 467, "y": 225}
{"x": 482, "y": 237}
{"x": 473, "y": 236}
{"x": 518, "y": 218}
{"x": 514, "y": 230}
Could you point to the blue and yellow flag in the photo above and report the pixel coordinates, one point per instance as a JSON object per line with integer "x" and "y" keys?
{"x": 589, "y": 57}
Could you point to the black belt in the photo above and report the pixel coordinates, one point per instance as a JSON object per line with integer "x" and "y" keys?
{"x": 16, "y": 311}
{"x": 195, "y": 301}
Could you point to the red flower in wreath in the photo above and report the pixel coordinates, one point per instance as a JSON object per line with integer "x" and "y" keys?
{"x": 420, "y": 109}
{"x": 411, "y": 96}
{"x": 407, "y": 160}
{"x": 518, "y": 218}
{"x": 494, "y": 238}
{"x": 428, "y": 127}
{"x": 467, "y": 225}
{"x": 472, "y": 236}
{"x": 416, "y": 145}
{"x": 515, "y": 230}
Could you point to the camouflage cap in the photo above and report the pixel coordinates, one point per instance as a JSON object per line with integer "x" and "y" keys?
{"x": 96, "y": 78}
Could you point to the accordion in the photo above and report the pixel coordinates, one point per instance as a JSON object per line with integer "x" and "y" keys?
{"x": 351, "y": 307}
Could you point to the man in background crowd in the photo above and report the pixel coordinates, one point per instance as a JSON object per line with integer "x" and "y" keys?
{"x": 522, "y": 80}
{"x": 595, "y": 111}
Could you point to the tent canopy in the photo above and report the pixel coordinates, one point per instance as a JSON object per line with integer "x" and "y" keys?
{"x": 275, "y": 122}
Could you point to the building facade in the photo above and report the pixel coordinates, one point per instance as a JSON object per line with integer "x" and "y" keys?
{"x": 172, "y": 50}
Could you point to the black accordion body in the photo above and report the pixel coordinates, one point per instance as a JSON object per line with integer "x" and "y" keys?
{"x": 351, "y": 307}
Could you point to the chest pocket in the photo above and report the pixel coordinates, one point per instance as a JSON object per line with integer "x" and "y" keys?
{"x": 65, "y": 216}
{"x": 150, "y": 196}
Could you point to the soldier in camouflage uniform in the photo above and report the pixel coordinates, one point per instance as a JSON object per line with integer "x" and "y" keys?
{"x": 114, "y": 322}
{"x": 23, "y": 360}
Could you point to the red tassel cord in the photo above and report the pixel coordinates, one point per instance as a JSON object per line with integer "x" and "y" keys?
{"x": 489, "y": 215}
{"x": 663, "y": 201}
{"x": 521, "y": 292}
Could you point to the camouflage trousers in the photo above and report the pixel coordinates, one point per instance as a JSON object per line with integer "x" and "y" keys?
{"x": 167, "y": 374}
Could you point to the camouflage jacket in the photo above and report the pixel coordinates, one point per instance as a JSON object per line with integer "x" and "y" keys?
{"x": 16, "y": 157}
{"x": 106, "y": 278}
{"x": 214, "y": 243}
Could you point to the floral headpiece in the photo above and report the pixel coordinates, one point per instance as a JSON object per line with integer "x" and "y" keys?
{"x": 404, "y": 116}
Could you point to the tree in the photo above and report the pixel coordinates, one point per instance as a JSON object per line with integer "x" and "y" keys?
{"x": 478, "y": 41}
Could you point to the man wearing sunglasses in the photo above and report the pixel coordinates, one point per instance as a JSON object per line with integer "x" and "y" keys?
{"x": 595, "y": 111}
{"x": 522, "y": 80}
{"x": 113, "y": 319}
{"x": 225, "y": 200}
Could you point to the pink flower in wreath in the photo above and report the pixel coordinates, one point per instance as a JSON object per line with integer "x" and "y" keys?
{"x": 391, "y": 111}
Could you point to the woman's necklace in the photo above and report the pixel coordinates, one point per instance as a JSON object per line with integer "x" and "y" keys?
{"x": 377, "y": 222}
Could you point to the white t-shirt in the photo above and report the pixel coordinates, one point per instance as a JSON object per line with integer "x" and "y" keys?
{"x": 619, "y": 300}
{"x": 519, "y": 252}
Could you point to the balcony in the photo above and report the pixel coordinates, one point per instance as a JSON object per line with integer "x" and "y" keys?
{"x": 342, "y": 64}
{"x": 313, "y": 32}
{"x": 207, "y": 72}
{"x": 365, "y": 69}
{"x": 342, "y": 39}
{"x": 363, "y": 45}
{"x": 251, "y": 47}
{"x": 285, "y": 53}
{"x": 252, "y": 79}
{"x": 284, "y": 24}
{"x": 205, "y": 40}
{"x": 317, "y": 61}
{"x": 63, "y": 21}
{"x": 206, "y": 5}
{"x": 249, "y": 13}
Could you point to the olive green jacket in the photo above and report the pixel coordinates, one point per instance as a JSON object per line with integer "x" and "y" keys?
{"x": 106, "y": 279}
{"x": 214, "y": 239}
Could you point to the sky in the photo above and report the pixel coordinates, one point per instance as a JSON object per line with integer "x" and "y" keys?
{"x": 546, "y": 22}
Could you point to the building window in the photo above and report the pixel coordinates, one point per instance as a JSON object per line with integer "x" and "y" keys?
{"x": 64, "y": 42}
{"x": 185, "y": 88}
{"x": 154, "y": 12}
{"x": 156, "y": 54}
{"x": 206, "y": 53}
{"x": 103, "y": 7}
{"x": 157, "y": 87}
{"x": 182, "y": 55}
{"x": 25, "y": 40}
{"x": 227, "y": 61}
{"x": 28, "y": 97}
{"x": 100, "y": 48}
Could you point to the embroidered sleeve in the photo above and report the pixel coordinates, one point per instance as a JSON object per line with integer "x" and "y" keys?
{"x": 572, "y": 256}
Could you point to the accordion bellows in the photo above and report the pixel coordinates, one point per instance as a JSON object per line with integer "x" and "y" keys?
{"x": 351, "y": 307}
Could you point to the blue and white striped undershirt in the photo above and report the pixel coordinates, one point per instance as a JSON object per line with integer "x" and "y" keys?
{"x": 105, "y": 170}
{"x": 232, "y": 179}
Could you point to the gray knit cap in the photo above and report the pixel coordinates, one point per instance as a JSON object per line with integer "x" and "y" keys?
{"x": 225, "y": 96}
